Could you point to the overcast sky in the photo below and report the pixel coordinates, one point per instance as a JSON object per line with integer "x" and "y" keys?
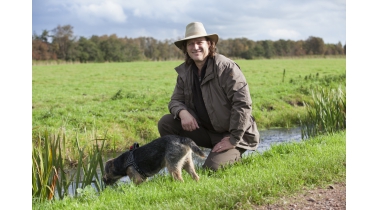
{"x": 167, "y": 19}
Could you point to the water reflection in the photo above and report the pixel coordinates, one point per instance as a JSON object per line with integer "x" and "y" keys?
{"x": 276, "y": 136}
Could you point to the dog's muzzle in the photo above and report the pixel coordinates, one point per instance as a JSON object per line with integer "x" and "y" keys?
{"x": 108, "y": 181}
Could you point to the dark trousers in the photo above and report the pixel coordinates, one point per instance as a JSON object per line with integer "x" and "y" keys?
{"x": 203, "y": 138}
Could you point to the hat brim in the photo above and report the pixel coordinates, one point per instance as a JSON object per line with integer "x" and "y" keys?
{"x": 213, "y": 37}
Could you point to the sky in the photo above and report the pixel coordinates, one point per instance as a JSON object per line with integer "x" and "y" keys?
{"x": 167, "y": 19}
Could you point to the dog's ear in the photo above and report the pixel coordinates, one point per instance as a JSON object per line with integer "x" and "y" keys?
{"x": 109, "y": 165}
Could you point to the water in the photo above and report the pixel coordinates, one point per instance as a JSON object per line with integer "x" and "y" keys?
{"x": 267, "y": 139}
{"x": 278, "y": 136}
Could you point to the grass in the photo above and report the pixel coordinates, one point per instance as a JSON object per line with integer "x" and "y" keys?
{"x": 326, "y": 113}
{"x": 124, "y": 101}
{"x": 258, "y": 179}
{"x": 50, "y": 176}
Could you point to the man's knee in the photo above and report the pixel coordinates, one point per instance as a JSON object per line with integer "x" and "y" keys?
{"x": 163, "y": 121}
{"x": 216, "y": 160}
{"x": 167, "y": 125}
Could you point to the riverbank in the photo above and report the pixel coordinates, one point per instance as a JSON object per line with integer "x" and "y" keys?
{"x": 284, "y": 170}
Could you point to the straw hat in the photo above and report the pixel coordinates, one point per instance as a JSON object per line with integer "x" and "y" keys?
{"x": 195, "y": 30}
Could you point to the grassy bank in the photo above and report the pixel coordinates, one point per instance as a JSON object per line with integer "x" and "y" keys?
{"x": 258, "y": 179}
{"x": 123, "y": 101}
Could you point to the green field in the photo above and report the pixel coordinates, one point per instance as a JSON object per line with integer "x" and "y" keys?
{"x": 123, "y": 102}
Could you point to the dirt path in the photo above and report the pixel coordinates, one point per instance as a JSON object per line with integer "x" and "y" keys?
{"x": 333, "y": 197}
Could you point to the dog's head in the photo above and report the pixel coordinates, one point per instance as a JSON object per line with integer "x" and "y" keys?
{"x": 110, "y": 177}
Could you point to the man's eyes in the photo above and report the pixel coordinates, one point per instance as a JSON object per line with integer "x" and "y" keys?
{"x": 198, "y": 43}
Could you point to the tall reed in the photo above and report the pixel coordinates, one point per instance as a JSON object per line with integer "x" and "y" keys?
{"x": 50, "y": 177}
{"x": 87, "y": 167}
{"x": 325, "y": 114}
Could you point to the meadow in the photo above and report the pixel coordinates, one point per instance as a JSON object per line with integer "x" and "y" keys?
{"x": 122, "y": 102}
{"x": 259, "y": 179}
{"x": 106, "y": 107}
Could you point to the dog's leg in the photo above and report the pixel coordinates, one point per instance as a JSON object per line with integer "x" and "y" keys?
{"x": 189, "y": 167}
{"x": 175, "y": 168}
{"x": 135, "y": 176}
{"x": 175, "y": 172}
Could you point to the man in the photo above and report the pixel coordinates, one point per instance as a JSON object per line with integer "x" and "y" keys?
{"x": 211, "y": 103}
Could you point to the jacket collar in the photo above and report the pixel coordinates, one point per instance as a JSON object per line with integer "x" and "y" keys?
{"x": 185, "y": 71}
{"x": 209, "y": 71}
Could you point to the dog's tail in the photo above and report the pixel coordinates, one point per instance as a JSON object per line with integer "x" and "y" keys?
{"x": 189, "y": 142}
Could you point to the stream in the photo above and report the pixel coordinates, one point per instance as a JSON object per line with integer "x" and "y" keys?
{"x": 267, "y": 139}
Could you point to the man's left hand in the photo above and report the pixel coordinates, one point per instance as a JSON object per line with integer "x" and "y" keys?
{"x": 224, "y": 144}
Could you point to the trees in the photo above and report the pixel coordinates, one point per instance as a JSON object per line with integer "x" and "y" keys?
{"x": 314, "y": 46}
{"x": 88, "y": 51}
{"x": 282, "y": 47}
{"x": 41, "y": 48}
{"x": 62, "y": 44}
{"x": 268, "y": 48}
{"x": 63, "y": 41}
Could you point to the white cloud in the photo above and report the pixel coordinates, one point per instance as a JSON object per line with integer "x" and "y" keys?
{"x": 283, "y": 34}
{"x": 161, "y": 19}
{"x": 104, "y": 11}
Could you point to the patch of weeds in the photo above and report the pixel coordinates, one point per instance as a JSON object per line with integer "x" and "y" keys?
{"x": 267, "y": 107}
{"x": 47, "y": 114}
{"x": 117, "y": 96}
{"x": 86, "y": 194}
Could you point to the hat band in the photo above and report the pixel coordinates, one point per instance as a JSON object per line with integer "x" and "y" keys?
{"x": 195, "y": 34}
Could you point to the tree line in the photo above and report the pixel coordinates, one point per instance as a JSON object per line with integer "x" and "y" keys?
{"x": 61, "y": 44}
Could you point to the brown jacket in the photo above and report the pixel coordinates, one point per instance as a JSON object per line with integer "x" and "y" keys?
{"x": 226, "y": 96}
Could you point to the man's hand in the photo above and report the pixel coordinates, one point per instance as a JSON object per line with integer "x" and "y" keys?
{"x": 188, "y": 122}
{"x": 224, "y": 144}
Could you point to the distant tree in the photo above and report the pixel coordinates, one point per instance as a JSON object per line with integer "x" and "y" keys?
{"x": 282, "y": 47}
{"x": 111, "y": 48}
{"x": 268, "y": 48}
{"x": 248, "y": 54}
{"x": 314, "y": 46}
{"x": 132, "y": 50}
{"x": 63, "y": 42}
{"x": 45, "y": 35}
{"x": 258, "y": 50}
{"x": 298, "y": 48}
{"x": 148, "y": 45}
{"x": 339, "y": 48}
{"x": 41, "y": 48}
{"x": 344, "y": 49}
{"x": 88, "y": 51}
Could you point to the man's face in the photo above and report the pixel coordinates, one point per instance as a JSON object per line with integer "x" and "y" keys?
{"x": 198, "y": 49}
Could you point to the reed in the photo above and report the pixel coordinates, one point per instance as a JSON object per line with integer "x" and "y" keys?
{"x": 50, "y": 176}
{"x": 325, "y": 114}
{"x": 87, "y": 167}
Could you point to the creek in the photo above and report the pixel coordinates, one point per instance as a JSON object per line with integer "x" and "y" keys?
{"x": 267, "y": 139}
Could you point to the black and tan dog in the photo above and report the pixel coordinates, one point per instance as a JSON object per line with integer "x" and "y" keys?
{"x": 139, "y": 163}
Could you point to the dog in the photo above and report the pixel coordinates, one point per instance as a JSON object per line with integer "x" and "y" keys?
{"x": 171, "y": 151}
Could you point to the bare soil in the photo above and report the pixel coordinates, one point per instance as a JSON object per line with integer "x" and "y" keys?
{"x": 332, "y": 197}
